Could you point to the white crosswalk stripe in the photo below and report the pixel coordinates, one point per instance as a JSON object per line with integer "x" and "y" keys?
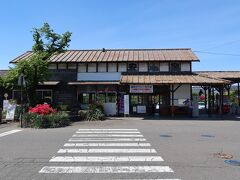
{"x": 106, "y": 139}
{"x": 107, "y": 144}
{"x": 106, "y": 159}
{"x": 107, "y": 135}
{"x": 9, "y": 132}
{"x": 106, "y": 169}
{"x": 108, "y": 132}
{"x": 99, "y": 145}
{"x": 107, "y": 151}
{"x": 108, "y": 129}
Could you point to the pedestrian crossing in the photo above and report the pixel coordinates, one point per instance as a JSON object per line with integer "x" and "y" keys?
{"x": 119, "y": 151}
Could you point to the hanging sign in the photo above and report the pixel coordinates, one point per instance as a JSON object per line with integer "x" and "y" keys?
{"x": 141, "y": 88}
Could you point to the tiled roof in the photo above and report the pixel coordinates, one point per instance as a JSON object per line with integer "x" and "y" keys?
{"x": 171, "y": 79}
{"x": 119, "y": 55}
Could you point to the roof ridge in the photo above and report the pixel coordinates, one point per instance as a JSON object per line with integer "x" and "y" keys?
{"x": 125, "y": 49}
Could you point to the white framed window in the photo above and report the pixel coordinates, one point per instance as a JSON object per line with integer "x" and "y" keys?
{"x": 175, "y": 67}
{"x": 143, "y": 67}
{"x": 122, "y": 67}
{"x": 82, "y": 67}
{"x": 185, "y": 67}
{"x": 154, "y": 67}
{"x": 62, "y": 66}
{"x": 164, "y": 67}
{"x": 52, "y": 66}
{"x": 72, "y": 66}
{"x": 102, "y": 67}
{"x": 112, "y": 67}
{"x": 132, "y": 67}
{"x": 92, "y": 67}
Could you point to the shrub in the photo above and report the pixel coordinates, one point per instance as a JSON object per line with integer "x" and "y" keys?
{"x": 59, "y": 119}
{"x": 63, "y": 107}
{"x": 96, "y": 106}
{"x": 43, "y": 116}
{"x": 42, "y": 109}
{"x": 95, "y": 112}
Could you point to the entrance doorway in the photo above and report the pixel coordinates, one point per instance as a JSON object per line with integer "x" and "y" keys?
{"x": 149, "y": 104}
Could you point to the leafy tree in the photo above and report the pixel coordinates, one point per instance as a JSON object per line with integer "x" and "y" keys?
{"x": 46, "y": 40}
{"x": 35, "y": 68}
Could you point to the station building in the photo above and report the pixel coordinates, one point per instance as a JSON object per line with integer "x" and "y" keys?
{"x": 157, "y": 81}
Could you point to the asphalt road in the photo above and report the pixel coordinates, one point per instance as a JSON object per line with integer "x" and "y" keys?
{"x": 153, "y": 149}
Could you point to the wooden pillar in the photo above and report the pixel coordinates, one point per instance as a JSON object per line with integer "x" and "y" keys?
{"x": 205, "y": 101}
{"x": 118, "y": 100}
{"x": 228, "y": 90}
{"x": 238, "y": 95}
{"x": 213, "y": 99}
{"x": 221, "y": 101}
{"x": 209, "y": 101}
{"x": 172, "y": 108}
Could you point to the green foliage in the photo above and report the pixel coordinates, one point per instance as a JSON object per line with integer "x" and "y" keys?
{"x": 95, "y": 112}
{"x": 59, "y": 119}
{"x": 233, "y": 97}
{"x": 35, "y": 68}
{"x": 96, "y": 106}
{"x": 63, "y": 107}
{"x": 46, "y": 40}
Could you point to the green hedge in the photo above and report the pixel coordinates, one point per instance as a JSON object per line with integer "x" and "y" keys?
{"x": 95, "y": 112}
{"x": 59, "y": 119}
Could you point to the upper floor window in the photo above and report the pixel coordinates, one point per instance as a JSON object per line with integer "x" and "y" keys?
{"x": 92, "y": 67}
{"x": 72, "y": 66}
{"x": 132, "y": 67}
{"x": 185, "y": 67}
{"x": 62, "y": 66}
{"x": 82, "y": 67}
{"x": 175, "y": 67}
{"x": 52, "y": 66}
{"x": 102, "y": 67}
{"x": 164, "y": 67}
{"x": 112, "y": 67}
{"x": 154, "y": 67}
{"x": 122, "y": 67}
{"x": 143, "y": 67}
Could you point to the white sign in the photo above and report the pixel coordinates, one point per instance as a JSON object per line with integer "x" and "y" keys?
{"x": 10, "y": 108}
{"x": 11, "y": 112}
{"x": 141, "y": 109}
{"x": 5, "y": 105}
{"x": 141, "y": 88}
{"x": 126, "y": 104}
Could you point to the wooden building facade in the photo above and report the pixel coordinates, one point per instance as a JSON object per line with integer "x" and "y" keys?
{"x": 158, "y": 81}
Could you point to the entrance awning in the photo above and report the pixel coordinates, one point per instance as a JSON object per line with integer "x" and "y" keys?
{"x": 193, "y": 79}
{"x": 49, "y": 83}
{"x": 93, "y": 83}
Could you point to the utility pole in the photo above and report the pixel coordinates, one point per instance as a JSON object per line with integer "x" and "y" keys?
{"x": 21, "y": 82}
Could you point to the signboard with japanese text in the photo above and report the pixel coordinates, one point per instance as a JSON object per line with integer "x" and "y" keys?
{"x": 141, "y": 88}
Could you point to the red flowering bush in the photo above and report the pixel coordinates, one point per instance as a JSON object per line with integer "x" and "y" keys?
{"x": 42, "y": 109}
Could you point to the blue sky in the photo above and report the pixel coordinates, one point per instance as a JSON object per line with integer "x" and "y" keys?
{"x": 203, "y": 25}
